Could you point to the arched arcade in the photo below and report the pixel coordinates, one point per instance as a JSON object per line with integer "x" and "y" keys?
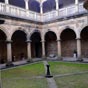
{"x": 19, "y": 46}
{"x": 3, "y": 47}
{"x": 68, "y": 43}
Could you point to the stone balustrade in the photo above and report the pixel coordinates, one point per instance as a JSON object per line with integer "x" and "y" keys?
{"x": 14, "y": 11}
{"x": 64, "y": 12}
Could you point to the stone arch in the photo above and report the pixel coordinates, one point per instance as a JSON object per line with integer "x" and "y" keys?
{"x": 50, "y": 43}
{"x": 3, "y": 47}
{"x": 49, "y": 30}
{"x": 36, "y": 45}
{"x": 19, "y": 29}
{"x": 3, "y": 29}
{"x": 19, "y": 45}
{"x": 34, "y": 32}
{"x": 68, "y": 42}
{"x": 82, "y": 27}
{"x": 64, "y": 28}
{"x": 84, "y": 42}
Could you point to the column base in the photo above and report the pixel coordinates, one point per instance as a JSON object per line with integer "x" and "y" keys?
{"x": 44, "y": 58}
{"x": 60, "y": 58}
{"x": 29, "y": 61}
{"x": 9, "y": 64}
{"x": 80, "y": 59}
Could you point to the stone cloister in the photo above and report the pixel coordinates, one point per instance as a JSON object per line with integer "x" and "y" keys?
{"x": 61, "y": 39}
{"x": 57, "y": 32}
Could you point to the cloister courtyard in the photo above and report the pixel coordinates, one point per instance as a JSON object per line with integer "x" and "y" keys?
{"x": 43, "y": 44}
{"x": 65, "y": 75}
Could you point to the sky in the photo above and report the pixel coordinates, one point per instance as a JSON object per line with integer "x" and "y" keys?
{"x": 35, "y": 6}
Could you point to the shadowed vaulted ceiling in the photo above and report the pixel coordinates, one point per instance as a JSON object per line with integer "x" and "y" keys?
{"x": 34, "y": 5}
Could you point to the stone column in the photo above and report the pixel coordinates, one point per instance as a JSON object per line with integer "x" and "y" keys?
{"x": 79, "y": 48}
{"x": 6, "y": 1}
{"x": 41, "y": 11}
{"x": 9, "y": 53}
{"x": 43, "y": 49}
{"x": 76, "y": 1}
{"x": 29, "y": 50}
{"x": 26, "y": 4}
{"x": 7, "y": 7}
{"x": 77, "y": 5}
{"x": 59, "y": 48}
{"x": 27, "y": 7}
{"x": 57, "y": 6}
{"x": 41, "y": 8}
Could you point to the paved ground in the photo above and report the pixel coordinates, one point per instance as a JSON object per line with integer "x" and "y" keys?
{"x": 51, "y": 81}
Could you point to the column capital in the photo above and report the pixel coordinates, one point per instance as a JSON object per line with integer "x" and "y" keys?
{"x": 6, "y": 1}
{"x": 28, "y": 41}
{"x": 58, "y": 40}
{"x": 78, "y": 38}
{"x": 26, "y": 0}
{"x": 8, "y": 41}
{"x": 42, "y": 40}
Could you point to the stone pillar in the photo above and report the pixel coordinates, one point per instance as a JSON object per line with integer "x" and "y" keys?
{"x": 59, "y": 48}
{"x": 57, "y": 4}
{"x": 7, "y": 7}
{"x": 6, "y": 1}
{"x": 43, "y": 49}
{"x": 29, "y": 50}
{"x": 41, "y": 8}
{"x": 9, "y": 53}
{"x": 76, "y": 1}
{"x": 26, "y": 4}
{"x": 57, "y": 7}
{"x": 77, "y": 5}
{"x": 79, "y": 48}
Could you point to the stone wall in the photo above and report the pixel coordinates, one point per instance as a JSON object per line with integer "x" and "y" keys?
{"x": 51, "y": 48}
{"x": 84, "y": 49}
{"x": 19, "y": 51}
{"x": 68, "y": 47}
{"x": 3, "y": 52}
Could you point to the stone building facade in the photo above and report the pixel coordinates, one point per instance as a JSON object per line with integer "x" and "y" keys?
{"x": 25, "y": 39}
